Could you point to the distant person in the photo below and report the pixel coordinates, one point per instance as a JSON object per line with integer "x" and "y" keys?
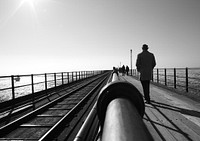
{"x": 145, "y": 64}
{"x": 127, "y": 70}
{"x": 123, "y": 70}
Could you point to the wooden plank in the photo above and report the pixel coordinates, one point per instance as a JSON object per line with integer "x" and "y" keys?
{"x": 184, "y": 129}
{"x": 158, "y": 125}
{"x": 151, "y": 128}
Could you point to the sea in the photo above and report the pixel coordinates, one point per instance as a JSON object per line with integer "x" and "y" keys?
{"x": 24, "y": 87}
{"x": 192, "y": 88}
{"x": 181, "y": 79}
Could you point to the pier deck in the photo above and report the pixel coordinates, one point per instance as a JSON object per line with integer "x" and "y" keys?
{"x": 170, "y": 116}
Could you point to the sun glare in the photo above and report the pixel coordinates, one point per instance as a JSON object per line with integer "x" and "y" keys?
{"x": 31, "y": 3}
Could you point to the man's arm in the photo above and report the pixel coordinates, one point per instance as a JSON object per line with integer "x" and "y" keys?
{"x": 138, "y": 63}
{"x": 154, "y": 62}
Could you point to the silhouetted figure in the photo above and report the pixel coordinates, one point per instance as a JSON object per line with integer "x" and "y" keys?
{"x": 145, "y": 64}
{"x": 127, "y": 70}
{"x": 123, "y": 70}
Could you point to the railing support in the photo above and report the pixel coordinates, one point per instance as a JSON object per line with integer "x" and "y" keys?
{"x": 45, "y": 81}
{"x": 175, "y": 78}
{"x": 157, "y": 75}
{"x": 62, "y": 78}
{"x": 165, "y": 77}
{"x": 55, "y": 79}
{"x": 186, "y": 77}
{"x": 13, "y": 87}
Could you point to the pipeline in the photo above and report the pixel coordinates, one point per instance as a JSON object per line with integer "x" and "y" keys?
{"x": 120, "y": 109}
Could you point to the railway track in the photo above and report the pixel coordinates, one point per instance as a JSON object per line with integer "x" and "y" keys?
{"x": 60, "y": 118}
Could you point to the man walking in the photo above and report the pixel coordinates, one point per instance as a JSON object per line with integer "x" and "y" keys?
{"x": 145, "y": 64}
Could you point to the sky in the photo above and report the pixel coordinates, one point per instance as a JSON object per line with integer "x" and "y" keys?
{"x": 40, "y": 36}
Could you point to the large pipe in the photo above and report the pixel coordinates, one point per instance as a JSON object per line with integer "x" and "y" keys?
{"x": 120, "y": 109}
{"x": 114, "y": 77}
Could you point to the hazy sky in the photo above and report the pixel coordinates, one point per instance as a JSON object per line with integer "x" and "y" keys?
{"x": 38, "y": 36}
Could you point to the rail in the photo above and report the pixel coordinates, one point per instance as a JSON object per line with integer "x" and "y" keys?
{"x": 59, "y": 118}
{"x": 119, "y": 108}
{"x": 14, "y": 86}
{"x": 183, "y": 79}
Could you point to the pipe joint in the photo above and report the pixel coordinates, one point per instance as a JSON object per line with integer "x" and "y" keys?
{"x": 119, "y": 89}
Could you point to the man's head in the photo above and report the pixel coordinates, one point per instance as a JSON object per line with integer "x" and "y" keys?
{"x": 145, "y": 47}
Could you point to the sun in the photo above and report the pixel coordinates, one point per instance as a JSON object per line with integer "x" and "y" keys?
{"x": 29, "y": 2}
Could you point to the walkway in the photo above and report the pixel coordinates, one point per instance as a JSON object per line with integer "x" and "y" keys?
{"x": 170, "y": 116}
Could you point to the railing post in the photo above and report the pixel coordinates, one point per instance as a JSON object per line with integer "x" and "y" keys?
{"x": 32, "y": 85}
{"x": 62, "y": 78}
{"x": 175, "y": 78}
{"x": 45, "y": 83}
{"x": 186, "y": 81}
{"x": 68, "y": 77}
{"x": 157, "y": 75}
{"x": 72, "y": 77}
{"x": 79, "y": 73}
{"x": 76, "y": 76}
{"x": 165, "y": 77}
{"x": 13, "y": 87}
{"x": 55, "y": 79}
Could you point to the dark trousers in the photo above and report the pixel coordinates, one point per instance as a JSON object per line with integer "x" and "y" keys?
{"x": 145, "y": 85}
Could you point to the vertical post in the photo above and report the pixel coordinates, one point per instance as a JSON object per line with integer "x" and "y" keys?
{"x": 157, "y": 75}
{"x": 13, "y": 87}
{"x": 72, "y": 77}
{"x": 152, "y": 75}
{"x": 45, "y": 82}
{"x": 131, "y": 63}
{"x": 79, "y": 73}
{"x": 165, "y": 77}
{"x": 32, "y": 84}
{"x": 68, "y": 77}
{"x": 55, "y": 79}
{"x": 175, "y": 78}
{"x": 76, "y": 76}
{"x": 62, "y": 78}
{"x": 186, "y": 81}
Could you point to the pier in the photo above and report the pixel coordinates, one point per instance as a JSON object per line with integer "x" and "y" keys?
{"x": 67, "y": 108}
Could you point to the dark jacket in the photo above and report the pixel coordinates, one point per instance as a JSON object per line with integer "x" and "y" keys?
{"x": 145, "y": 64}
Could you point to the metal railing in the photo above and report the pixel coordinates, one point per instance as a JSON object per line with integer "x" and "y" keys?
{"x": 183, "y": 79}
{"x": 15, "y": 86}
{"x": 120, "y": 108}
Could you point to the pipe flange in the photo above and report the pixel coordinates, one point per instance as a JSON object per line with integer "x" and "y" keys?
{"x": 119, "y": 89}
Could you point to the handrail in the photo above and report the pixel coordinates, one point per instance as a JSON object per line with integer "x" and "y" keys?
{"x": 178, "y": 78}
{"x": 11, "y": 87}
{"x": 120, "y": 108}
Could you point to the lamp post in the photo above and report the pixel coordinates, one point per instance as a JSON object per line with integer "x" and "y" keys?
{"x": 131, "y": 61}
